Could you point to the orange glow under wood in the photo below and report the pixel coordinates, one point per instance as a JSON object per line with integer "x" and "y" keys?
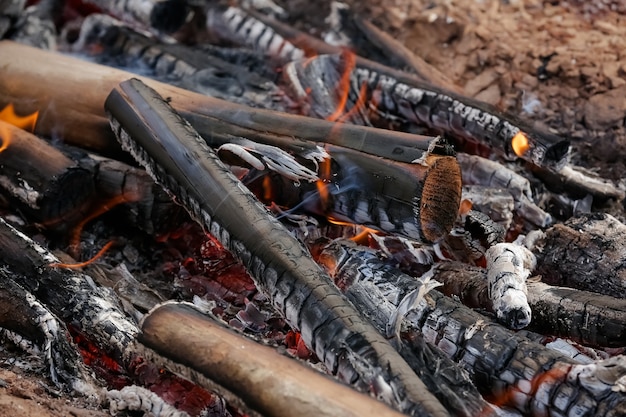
{"x": 83, "y": 264}
{"x": 321, "y": 184}
{"x": 520, "y": 144}
{"x": 120, "y": 199}
{"x": 8, "y": 115}
{"x": 343, "y": 88}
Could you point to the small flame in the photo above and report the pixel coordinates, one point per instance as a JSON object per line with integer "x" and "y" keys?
{"x": 520, "y": 144}
{"x": 465, "y": 207}
{"x": 322, "y": 183}
{"x": 344, "y": 85}
{"x": 8, "y": 115}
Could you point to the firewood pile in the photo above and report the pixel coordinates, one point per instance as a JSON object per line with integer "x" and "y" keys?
{"x": 267, "y": 209}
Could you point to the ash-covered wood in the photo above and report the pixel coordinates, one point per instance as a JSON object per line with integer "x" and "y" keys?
{"x": 70, "y": 295}
{"x": 163, "y": 15}
{"x": 21, "y": 313}
{"x": 583, "y": 316}
{"x": 194, "y": 68}
{"x": 507, "y": 367}
{"x": 43, "y": 181}
{"x": 179, "y": 159}
{"x": 587, "y": 253}
{"x": 267, "y": 382}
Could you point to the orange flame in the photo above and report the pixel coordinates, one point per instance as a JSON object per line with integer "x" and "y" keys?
{"x": 344, "y": 84}
{"x": 7, "y": 114}
{"x": 520, "y": 144}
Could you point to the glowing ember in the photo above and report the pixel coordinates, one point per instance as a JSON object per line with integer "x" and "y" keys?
{"x": 82, "y": 264}
{"x": 520, "y": 144}
{"x": 8, "y": 115}
{"x": 465, "y": 207}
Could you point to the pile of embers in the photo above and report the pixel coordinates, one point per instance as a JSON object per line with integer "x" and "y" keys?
{"x": 380, "y": 243}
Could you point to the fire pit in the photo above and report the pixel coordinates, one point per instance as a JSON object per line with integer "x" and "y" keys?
{"x": 248, "y": 180}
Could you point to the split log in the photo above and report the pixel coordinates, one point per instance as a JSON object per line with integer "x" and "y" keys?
{"x": 180, "y": 160}
{"x": 583, "y": 316}
{"x": 72, "y": 109}
{"x": 42, "y": 180}
{"x": 587, "y": 253}
{"x": 507, "y": 367}
{"x": 269, "y": 383}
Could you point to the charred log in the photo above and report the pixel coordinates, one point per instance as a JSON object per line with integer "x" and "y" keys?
{"x": 163, "y": 15}
{"x": 70, "y": 295}
{"x": 579, "y": 315}
{"x": 43, "y": 181}
{"x": 587, "y": 253}
{"x": 21, "y": 313}
{"x": 180, "y": 160}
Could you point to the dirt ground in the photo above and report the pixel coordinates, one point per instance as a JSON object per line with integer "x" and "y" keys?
{"x": 558, "y": 63}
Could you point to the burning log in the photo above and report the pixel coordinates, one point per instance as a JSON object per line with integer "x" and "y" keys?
{"x": 402, "y": 96}
{"x": 268, "y": 383}
{"x": 180, "y": 160}
{"x": 506, "y": 366}
{"x": 481, "y": 171}
{"x": 583, "y": 316}
{"x": 45, "y": 183}
{"x": 216, "y": 120}
{"x": 587, "y": 253}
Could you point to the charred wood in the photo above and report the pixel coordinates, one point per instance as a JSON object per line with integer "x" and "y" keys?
{"x": 70, "y": 295}
{"x": 587, "y": 253}
{"x": 507, "y": 367}
{"x": 45, "y": 183}
{"x": 145, "y": 204}
{"x": 181, "y": 65}
{"x": 179, "y": 159}
{"x": 583, "y": 316}
{"x": 481, "y": 171}
{"x": 36, "y": 25}
{"x": 21, "y": 313}
{"x": 163, "y": 15}
{"x": 267, "y": 382}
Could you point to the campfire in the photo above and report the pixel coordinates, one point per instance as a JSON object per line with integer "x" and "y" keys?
{"x": 208, "y": 211}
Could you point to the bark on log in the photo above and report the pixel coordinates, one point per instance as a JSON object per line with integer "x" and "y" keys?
{"x": 268, "y": 382}
{"x": 72, "y": 109}
{"x": 45, "y": 183}
{"x": 180, "y": 160}
{"x": 587, "y": 253}
{"x": 506, "y": 366}
{"x": 583, "y": 316}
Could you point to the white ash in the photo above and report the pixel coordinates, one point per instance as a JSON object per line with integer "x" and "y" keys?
{"x": 508, "y": 267}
